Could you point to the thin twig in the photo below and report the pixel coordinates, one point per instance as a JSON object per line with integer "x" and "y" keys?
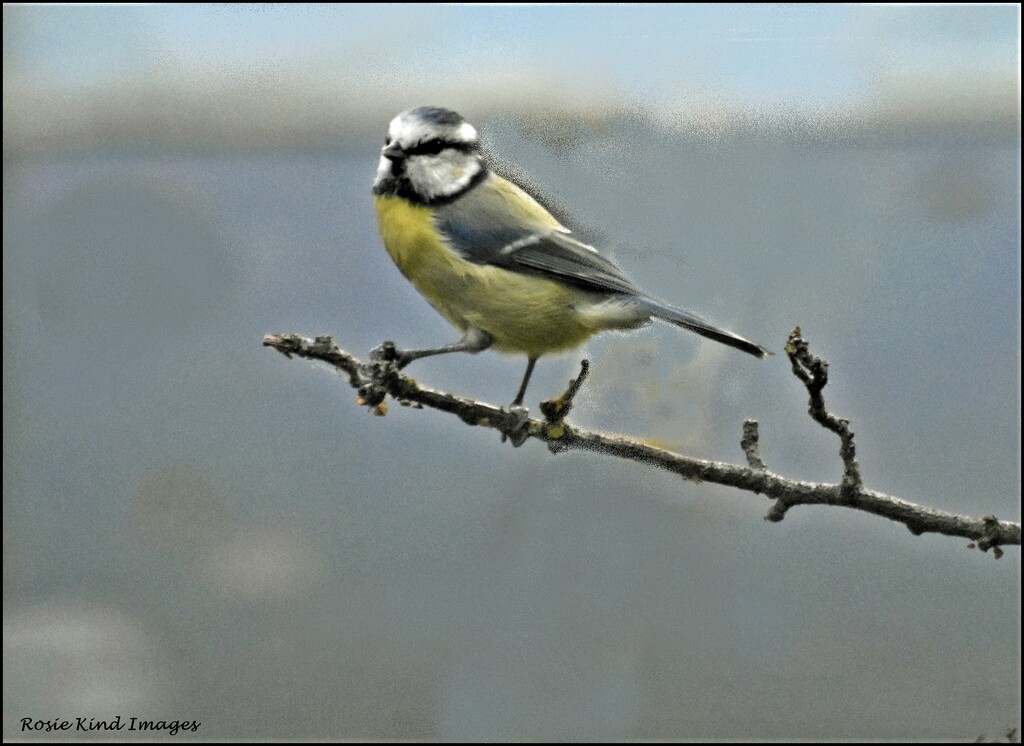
{"x": 813, "y": 371}
{"x": 750, "y": 446}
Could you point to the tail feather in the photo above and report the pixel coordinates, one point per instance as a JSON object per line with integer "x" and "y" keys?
{"x": 700, "y": 326}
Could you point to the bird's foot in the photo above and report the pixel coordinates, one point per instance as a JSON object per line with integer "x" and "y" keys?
{"x": 388, "y": 352}
{"x": 519, "y": 429}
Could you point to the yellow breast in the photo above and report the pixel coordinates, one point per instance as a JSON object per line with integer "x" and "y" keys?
{"x": 523, "y": 313}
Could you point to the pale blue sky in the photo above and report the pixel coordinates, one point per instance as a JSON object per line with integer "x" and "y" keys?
{"x": 802, "y": 55}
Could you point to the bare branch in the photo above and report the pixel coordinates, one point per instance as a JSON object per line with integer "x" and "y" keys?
{"x": 375, "y": 380}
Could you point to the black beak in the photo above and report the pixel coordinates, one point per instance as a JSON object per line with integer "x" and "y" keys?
{"x": 392, "y": 152}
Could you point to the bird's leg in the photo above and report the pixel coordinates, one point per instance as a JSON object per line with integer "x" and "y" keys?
{"x": 474, "y": 340}
{"x": 518, "y": 401}
{"x": 518, "y": 433}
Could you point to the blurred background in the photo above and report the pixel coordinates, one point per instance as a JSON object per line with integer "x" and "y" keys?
{"x": 198, "y": 529}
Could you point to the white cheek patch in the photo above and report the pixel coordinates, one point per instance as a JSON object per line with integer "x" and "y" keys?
{"x": 442, "y": 175}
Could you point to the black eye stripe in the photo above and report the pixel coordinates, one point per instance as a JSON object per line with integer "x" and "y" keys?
{"x": 433, "y": 147}
{"x": 429, "y": 147}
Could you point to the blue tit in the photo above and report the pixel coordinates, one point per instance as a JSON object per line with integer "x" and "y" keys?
{"x": 491, "y": 259}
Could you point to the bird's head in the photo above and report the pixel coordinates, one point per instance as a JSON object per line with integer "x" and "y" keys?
{"x": 429, "y": 154}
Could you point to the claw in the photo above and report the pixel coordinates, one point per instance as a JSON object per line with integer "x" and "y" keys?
{"x": 383, "y": 352}
{"x": 387, "y": 352}
{"x": 519, "y": 431}
{"x": 522, "y": 414}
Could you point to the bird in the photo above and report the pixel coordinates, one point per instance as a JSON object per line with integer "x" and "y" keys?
{"x": 492, "y": 260}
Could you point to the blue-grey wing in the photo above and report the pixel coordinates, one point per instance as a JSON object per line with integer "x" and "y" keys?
{"x": 493, "y": 224}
